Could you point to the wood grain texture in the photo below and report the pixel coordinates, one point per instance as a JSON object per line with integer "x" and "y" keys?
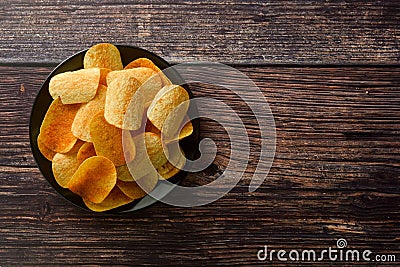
{"x": 239, "y": 32}
{"x": 335, "y": 175}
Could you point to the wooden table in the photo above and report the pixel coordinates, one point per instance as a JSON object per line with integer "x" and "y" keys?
{"x": 330, "y": 72}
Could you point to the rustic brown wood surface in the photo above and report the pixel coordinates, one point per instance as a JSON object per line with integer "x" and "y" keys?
{"x": 257, "y": 32}
{"x": 330, "y": 72}
{"x": 335, "y": 175}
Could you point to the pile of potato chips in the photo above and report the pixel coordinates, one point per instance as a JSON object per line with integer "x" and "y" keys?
{"x": 94, "y": 109}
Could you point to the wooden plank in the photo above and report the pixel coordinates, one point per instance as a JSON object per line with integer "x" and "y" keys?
{"x": 239, "y": 32}
{"x": 335, "y": 175}
{"x": 38, "y": 227}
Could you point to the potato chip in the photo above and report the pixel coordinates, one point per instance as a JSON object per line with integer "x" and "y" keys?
{"x": 149, "y": 80}
{"x": 151, "y": 128}
{"x": 103, "y": 75}
{"x": 103, "y": 56}
{"x": 80, "y": 126}
{"x": 85, "y": 151}
{"x": 114, "y": 200}
{"x": 107, "y": 140}
{"x": 148, "y": 145}
{"x": 75, "y": 86}
{"x": 134, "y": 191}
{"x": 65, "y": 165}
{"x": 94, "y": 179}
{"x": 186, "y": 131}
{"x": 140, "y": 74}
{"x": 166, "y": 100}
{"x": 168, "y": 170}
{"x": 145, "y": 62}
{"x": 119, "y": 94}
{"x": 55, "y": 130}
{"x": 47, "y": 153}
{"x": 125, "y": 175}
{"x": 155, "y": 150}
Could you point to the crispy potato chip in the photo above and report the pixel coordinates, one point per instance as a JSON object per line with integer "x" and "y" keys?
{"x": 145, "y": 62}
{"x": 94, "y": 179}
{"x": 166, "y": 100}
{"x": 149, "y": 80}
{"x": 85, "y": 151}
{"x": 103, "y": 56}
{"x": 103, "y": 75}
{"x": 141, "y": 74}
{"x": 119, "y": 94}
{"x": 147, "y": 145}
{"x": 55, "y": 130}
{"x": 155, "y": 150}
{"x": 186, "y": 131}
{"x": 115, "y": 199}
{"x": 124, "y": 174}
{"x": 65, "y": 165}
{"x": 47, "y": 153}
{"x": 151, "y": 128}
{"x": 168, "y": 170}
{"x": 75, "y": 86}
{"x": 80, "y": 126}
{"x": 107, "y": 140}
{"x": 134, "y": 191}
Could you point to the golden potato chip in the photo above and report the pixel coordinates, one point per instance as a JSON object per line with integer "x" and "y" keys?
{"x": 151, "y": 128}
{"x": 80, "y": 126}
{"x": 142, "y": 62}
{"x": 149, "y": 80}
{"x": 119, "y": 94}
{"x": 186, "y": 131}
{"x": 85, "y": 151}
{"x": 115, "y": 199}
{"x": 140, "y": 74}
{"x": 124, "y": 174}
{"x": 47, "y": 153}
{"x": 168, "y": 170}
{"x": 107, "y": 140}
{"x": 75, "y": 86}
{"x": 145, "y": 62}
{"x": 148, "y": 145}
{"x": 166, "y": 100}
{"x": 155, "y": 150}
{"x": 103, "y": 75}
{"x": 134, "y": 191}
{"x": 65, "y": 165}
{"x": 103, "y": 56}
{"x": 94, "y": 179}
{"x": 55, "y": 130}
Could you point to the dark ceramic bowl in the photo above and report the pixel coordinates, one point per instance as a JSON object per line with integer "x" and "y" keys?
{"x": 43, "y": 101}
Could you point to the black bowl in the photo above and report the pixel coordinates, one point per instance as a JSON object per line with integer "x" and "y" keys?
{"x": 43, "y": 101}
